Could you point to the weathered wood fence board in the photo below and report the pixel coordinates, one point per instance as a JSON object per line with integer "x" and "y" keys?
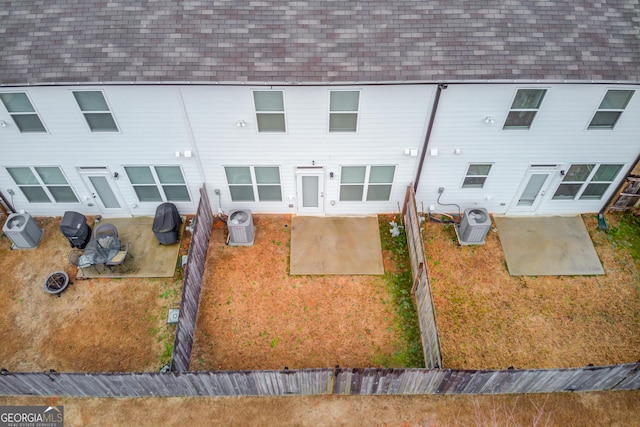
{"x": 629, "y": 197}
{"x": 322, "y": 381}
{"x": 192, "y": 285}
{"x": 421, "y": 286}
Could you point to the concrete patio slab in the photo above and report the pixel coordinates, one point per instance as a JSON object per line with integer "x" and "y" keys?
{"x": 150, "y": 258}
{"x": 335, "y": 245}
{"x": 547, "y": 246}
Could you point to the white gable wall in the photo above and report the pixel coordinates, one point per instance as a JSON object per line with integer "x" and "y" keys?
{"x": 152, "y": 127}
{"x": 557, "y": 136}
{"x": 391, "y": 119}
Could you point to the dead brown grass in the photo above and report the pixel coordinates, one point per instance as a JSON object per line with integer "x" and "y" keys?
{"x": 560, "y": 409}
{"x": 254, "y": 315}
{"x": 490, "y": 320}
{"x": 96, "y": 325}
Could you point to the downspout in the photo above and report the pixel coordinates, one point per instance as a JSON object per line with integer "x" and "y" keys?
{"x": 622, "y": 184}
{"x": 427, "y": 137}
{"x": 5, "y": 207}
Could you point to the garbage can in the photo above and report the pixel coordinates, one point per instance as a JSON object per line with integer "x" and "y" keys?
{"x": 166, "y": 224}
{"x": 74, "y": 227}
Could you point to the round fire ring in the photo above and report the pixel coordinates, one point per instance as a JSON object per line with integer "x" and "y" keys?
{"x": 56, "y": 282}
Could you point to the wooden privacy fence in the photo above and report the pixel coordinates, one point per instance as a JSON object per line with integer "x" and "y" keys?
{"x": 421, "y": 286}
{"x": 321, "y": 381}
{"x": 194, "y": 269}
{"x": 629, "y": 197}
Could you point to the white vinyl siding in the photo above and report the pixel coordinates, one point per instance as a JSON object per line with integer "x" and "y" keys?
{"x": 158, "y": 183}
{"x": 22, "y": 112}
{"x": 43, "y": 184}
{"x": 96, "y": 111}
{"x": 245, "y": 182}
{"x": 610, "y": 109}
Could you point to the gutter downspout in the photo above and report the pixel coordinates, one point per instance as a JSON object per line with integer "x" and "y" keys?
{"x": 427, "y": 137}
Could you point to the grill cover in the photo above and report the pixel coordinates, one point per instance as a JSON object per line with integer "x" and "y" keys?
{"x": 166, "y": 223}
{"x": 74, "y": 227}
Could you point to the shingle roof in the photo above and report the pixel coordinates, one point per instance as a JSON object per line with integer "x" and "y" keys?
{"x": 322, "y": 41}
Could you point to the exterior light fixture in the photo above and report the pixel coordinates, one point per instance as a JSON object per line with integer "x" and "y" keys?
{"x": 3, "y": 124}
{"x": 241, "y": 123}
{"x": 489, "y": 120}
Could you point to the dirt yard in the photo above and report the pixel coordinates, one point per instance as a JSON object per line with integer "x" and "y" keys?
{"x": 559, "y": 409}
{"x": 254, "y": 315}
{"x": 488, "y": 319}
{"x": 96, "y": 325}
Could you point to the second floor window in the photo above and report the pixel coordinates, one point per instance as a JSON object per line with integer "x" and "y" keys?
{"x": 96, "y": 111}
{"x": 269, "y": 110}
{"x": 22, "y": 112}
{"x": 524, "y": 108}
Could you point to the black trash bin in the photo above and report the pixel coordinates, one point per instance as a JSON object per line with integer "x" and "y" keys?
{"x": 74, "y": 227}
{"x": 166, "y": 223}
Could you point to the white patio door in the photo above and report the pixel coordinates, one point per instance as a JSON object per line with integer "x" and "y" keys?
{"x": 532, "y": 189}
{"x": 98, "y": 181}
{"x": 310, "y": 189}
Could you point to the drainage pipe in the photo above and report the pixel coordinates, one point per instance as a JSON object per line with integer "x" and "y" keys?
{"x": 427, "y": 137}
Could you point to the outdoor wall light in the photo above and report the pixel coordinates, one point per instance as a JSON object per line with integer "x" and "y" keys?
{"x": 489, "y": 120}
{"x": 241, "y": 123}
{"x": 3, "y": 124}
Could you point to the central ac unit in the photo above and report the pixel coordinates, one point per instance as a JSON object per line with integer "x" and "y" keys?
{"x": 22, "y": 230}
{"x": 474, "y": 226}
{"x": 241, "y": 228}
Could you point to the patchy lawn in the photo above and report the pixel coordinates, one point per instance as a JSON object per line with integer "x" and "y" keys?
{"x": 254, "y": 315}
{"x": 490, "y": 320}
{"x": 618, "y": 408}
{"x": 96, "y": 325}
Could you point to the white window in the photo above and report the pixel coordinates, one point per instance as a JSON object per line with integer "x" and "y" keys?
{"x": 610, "y": 109}
{"x": 476, "y": 176}
{"x": 158, "y": 183}
{"x": 96, "y": 111}
{"x": 22, "y": 112}
{"x": 370, "y": 183}
{"x": 343, "y": 110}
{"x": 587, "y": 181}
{"x": 245, "y": 182}
{"x": 524, "y": 108}
{"x": 269, "y": 110}
{"x": 42, "y": 184}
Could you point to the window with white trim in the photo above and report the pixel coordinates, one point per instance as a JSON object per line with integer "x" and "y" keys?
{"x": 366, "y": 183}
{"x": 524, "y": 108}
{"x": 158, "y": 183}
{"x": 610, "y": 109}
{"x": 343, "y": 110}
{"x": 476, "y": 176}
{"x": 269, "y": 110}
{"x": 42, "y": 184}
{"x": 96, "y": 111}
{"x": 247, "y": 182}
{"x": 22, "y": 112}
{"x": 587, "y": 181}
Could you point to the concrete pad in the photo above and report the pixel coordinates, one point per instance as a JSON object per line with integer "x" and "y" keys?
{"x": 547, "y": 246}
{"x": 150, "y": 258}
{"x": 335, "y": 245}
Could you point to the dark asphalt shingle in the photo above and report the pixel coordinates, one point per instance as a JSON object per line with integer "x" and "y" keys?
{"x": 317, "y": 41}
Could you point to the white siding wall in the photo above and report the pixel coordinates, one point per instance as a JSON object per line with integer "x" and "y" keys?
{"x": 391, "y": 119}
{"x": 152, "y": 127}
{"x": 558, "y": 135}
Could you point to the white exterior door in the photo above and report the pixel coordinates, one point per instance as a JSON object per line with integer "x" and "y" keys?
{"x": 532, "y": 189}
{"x": 103, "y": 192}
{"x": 310, "y": 189}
